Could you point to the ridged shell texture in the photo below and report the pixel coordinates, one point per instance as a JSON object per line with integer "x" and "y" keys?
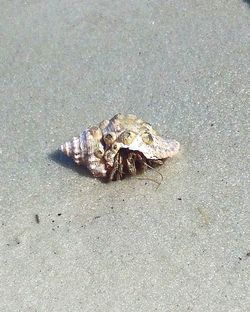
{"x": 98, "y": 147}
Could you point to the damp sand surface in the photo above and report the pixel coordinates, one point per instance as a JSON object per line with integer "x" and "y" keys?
{"x": 72, "y": 243}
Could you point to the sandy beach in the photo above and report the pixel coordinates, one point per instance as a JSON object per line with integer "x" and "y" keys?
{"x": 72, "y": 243}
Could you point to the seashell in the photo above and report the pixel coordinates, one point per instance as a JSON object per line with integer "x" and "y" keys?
{"x": 123, "y": 145}
{"x": 127, "y": 137}
{"x": 109, "y": 138}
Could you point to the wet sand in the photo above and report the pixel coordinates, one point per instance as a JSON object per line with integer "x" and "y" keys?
{"x": 72, "y": 243}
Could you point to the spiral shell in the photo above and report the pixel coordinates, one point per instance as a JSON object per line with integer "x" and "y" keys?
{"x": 119, "y": 146}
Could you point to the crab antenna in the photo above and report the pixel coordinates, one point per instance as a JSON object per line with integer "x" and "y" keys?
{"x": 155, "y": 170}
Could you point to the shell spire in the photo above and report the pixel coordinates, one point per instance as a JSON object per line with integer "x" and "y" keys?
{"x": 72, "y": 149}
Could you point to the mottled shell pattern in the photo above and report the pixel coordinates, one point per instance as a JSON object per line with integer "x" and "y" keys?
{"x": 119, "y": 146}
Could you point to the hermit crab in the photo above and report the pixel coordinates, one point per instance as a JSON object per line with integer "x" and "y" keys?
{"x": 123, "y": 145}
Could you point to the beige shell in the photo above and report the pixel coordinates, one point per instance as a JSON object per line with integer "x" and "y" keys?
{"x": 98, "y": 148}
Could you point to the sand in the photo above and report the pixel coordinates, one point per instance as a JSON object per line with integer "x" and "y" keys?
{"x": 72, "y": 243}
